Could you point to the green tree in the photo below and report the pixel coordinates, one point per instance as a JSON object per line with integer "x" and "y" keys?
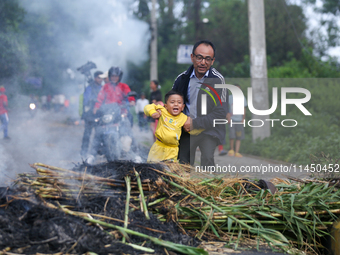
{"x": 228, "y": 29}
{"x": 329, "y": 11}
{"x": 12, "y": 46}
{"x": 308, "y": 66}
{"x": 169, "y": 37}
{"x": 287, "y": 43}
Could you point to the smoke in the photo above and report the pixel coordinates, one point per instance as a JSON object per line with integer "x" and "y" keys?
{"x": 102, "y": 31}
{"x": 4, "y": 159}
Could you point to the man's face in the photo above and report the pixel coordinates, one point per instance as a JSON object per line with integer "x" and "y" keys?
{"x": 202, "y": 59}
{"x": 174, "y": 105}
{"x": 98, "y": 80}
{"x": 114, "y": 78}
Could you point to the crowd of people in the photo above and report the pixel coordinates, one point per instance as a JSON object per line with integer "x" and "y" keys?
{"x": 181, "y": 125}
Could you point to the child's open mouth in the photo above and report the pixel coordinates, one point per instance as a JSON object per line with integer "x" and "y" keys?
{"x": 175, "y": 109}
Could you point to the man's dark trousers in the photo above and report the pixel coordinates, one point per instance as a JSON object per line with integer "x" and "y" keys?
{"x": 89, "y": 125}
{"x": 189, "y": 143}
{"x": 142, "y": 121}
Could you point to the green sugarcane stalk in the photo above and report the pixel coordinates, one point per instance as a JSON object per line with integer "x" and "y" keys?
{"x": 52, "y": 196}
{"x": 246, "y": 210}
{"x": 63, "y": 171}
{"x": 141, "y": 248}
{"x": 273, "y": 222}
{"x": 145, "y": 208}
{"x": 207, "y": 181}
{"x": 214, "y": 220}
{"x": 157, "y": 201}
{"x": 88, "y": 176}
{"x": 127, "y": 203}
{"x": 195, "y": 195}
{"x": 260, "y": 231}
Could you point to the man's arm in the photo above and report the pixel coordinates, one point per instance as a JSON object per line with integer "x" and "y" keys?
{"x": 87, "y": 95}
{"x": 4, "y": 101}
{"x": 100, "y": 100}
{"x": 218, "y": 112}
{"x": 126, "y": 89}
{"x": 207, "y": 121}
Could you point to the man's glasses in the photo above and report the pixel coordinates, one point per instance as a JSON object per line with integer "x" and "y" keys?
{"x": 199, "y": 58}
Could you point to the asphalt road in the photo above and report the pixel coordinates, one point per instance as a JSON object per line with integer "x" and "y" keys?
{"x": 45, "y": 138}
{"x": 49, "y": 137}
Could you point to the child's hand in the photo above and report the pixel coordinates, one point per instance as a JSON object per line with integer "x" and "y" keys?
{"x": 157, "y": 114}
{"x": 188, "y": 125}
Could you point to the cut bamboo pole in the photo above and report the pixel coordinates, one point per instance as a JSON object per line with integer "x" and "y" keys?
{"x": 145, "y": 208}
{"x": 126, "y": 216}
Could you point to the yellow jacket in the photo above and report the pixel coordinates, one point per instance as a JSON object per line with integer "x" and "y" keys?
{"x": 169, "y": 127}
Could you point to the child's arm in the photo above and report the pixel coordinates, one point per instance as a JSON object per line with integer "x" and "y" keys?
{"x": 152, "y": 111}
{"x": 194, "y": 131}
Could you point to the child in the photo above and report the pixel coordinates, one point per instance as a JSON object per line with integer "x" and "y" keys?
{"x": 169, "y": 127}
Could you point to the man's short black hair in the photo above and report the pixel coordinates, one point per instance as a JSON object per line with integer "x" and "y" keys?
{"x": 97, "y": 73}
{"x": 206, "y": 42}
{"x": 172, "y": 92}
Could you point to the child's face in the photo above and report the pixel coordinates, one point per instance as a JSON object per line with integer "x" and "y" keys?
{"x": 174, "y": 105}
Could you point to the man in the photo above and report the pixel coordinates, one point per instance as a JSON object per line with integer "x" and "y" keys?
{"x": 142, "y": 118}
{"x": 194, "y": 83}
{"x": 236, "y": 128}
{"x": 114, "y": 91}
{"x": 105, "y": 77}
{"x": 90, "y": 98}
{"x": 4, "y": 112}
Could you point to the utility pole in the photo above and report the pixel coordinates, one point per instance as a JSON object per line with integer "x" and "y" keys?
{"x": 258, "y": 65}
{"x": 197, "y": 20}
{"x": 153, "y": 50}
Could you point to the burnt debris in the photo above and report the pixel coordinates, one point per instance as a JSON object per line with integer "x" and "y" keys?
{"x": 33, "y": 218}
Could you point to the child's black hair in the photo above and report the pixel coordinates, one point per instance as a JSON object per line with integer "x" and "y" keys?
{"x": 172, "y": 92}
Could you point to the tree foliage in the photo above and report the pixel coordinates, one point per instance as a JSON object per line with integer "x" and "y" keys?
{"x": 12, "y": 49}
{"x": 227, "y": 27}
{"x": 28, "y": 45}
{"x": 327, "y": 32}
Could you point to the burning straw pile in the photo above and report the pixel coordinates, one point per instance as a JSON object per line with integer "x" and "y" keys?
{"x": 128, "y": 208}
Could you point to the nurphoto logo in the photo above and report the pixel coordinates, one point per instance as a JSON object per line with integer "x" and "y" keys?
{"x": 238, "y": 105}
